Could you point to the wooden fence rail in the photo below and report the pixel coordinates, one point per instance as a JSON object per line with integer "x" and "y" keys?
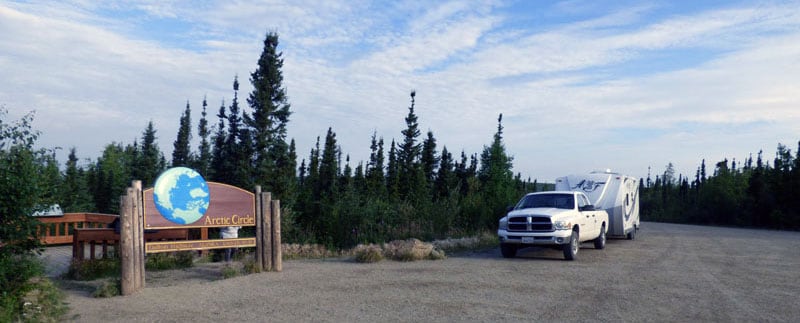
{"x": 60, "y": 229}
{"x": 105, "y": 237}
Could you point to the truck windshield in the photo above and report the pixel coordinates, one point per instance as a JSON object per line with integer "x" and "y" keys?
{"x": 559, "y": 201}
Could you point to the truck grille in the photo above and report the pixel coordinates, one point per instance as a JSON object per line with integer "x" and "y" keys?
{"x": 530, "y": 224}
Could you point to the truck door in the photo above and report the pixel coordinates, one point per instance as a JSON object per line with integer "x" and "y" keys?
{"x": 589, "y": 217}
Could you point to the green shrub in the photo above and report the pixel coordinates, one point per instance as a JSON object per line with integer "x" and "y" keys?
{"x": 165, "y": 261}
{"x": 37, "y": 301}
{"x": 108, "y": 288}
{"x": 250, "y": 267}
{"x": 229, "y": 272}
{"x": 92, "y": 269}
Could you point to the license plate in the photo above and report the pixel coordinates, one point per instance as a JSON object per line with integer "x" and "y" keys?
{"x": 527, "y": 239}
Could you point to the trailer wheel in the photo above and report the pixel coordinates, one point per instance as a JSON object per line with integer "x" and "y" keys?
{"x": 632, "y": 234}
{"x": 571, "y": 249}
{"x": 600, "y": 241}
{"x": 508, "y": 250}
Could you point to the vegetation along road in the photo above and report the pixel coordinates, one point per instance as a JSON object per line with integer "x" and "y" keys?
{"x": 671, "y": 272}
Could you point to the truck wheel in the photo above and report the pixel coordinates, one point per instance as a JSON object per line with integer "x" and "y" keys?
{"x": 600, "y": 241}
{"x": 632, "y": 234}
{"x": 508, "y": 250}
{"x": 571, "y": 249}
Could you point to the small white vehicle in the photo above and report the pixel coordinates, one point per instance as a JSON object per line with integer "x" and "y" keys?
{"x": 558, "y": 219}
{"x": 615, "y": 193}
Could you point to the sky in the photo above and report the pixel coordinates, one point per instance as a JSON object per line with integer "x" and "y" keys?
{"x": 582, "y": 85}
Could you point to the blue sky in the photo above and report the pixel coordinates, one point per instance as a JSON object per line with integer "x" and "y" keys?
{"x": 583, "y": 85}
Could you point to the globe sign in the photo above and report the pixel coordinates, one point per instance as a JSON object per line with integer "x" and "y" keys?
{"x": 181, "y": 195}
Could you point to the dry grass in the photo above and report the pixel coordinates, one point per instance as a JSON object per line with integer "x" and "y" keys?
{"x": 297, "y": 251}
{"x": 411, "y": 250}
{"x": 368, "y": 253}
{"x": 482, "y": 241}
{"x": 399, "y": 250}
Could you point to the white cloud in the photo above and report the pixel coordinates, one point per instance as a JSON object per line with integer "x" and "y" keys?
{"x": 568, "y": 90}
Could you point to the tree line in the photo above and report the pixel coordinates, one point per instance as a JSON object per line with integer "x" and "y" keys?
{"x": 753, "y": 193}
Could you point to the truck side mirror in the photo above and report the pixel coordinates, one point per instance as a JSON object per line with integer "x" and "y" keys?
{"x": 509, "y": 208}
{"x": 588, "y": 208}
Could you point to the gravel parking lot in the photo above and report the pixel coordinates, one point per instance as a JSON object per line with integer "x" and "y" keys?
{"x": 675, "y": 273}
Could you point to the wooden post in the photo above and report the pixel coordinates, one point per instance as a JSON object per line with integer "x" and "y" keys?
{"x": 138, "y": 211}
{"x": 259, "y": 231}
{"x": 266, "y": 234}
{"x": 137, "y": 239}
{"x": 277, "y": 262}
{"x": 126, "y": 246}
{"x": 204, "y": 236}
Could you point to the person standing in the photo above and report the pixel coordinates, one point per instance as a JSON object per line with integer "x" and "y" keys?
{"x": 229, "y": 233}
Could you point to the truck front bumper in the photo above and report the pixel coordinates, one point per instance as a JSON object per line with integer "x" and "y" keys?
{"x": 556, "y": 237}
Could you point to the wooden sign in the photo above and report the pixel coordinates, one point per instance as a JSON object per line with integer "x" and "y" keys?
{"x": 227, "y": 206}
{"x": 170, "y": 246}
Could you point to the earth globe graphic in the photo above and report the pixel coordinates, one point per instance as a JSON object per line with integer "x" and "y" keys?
{"x": 181, "y": 195}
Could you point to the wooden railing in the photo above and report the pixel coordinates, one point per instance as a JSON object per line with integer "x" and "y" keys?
{"x": 60, "y": 229}
{"x": 105, "y": 237}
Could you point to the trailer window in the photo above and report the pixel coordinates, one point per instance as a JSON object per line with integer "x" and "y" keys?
{"x": 627, "y": 201}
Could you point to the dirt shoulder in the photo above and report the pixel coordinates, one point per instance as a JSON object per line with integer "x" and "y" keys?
{"x": 670, "y": 273}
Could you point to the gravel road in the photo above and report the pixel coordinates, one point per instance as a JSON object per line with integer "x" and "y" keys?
{"x": 674, "y": 273}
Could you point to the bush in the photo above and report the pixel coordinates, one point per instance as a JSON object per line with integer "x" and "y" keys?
{"x": 165, "y": 261}
{"x": 296, "y": 251}
{"x": 43, "y": 302}
{"x": 16, "y": 272}
{"x": 368, "y": 254}
{"x": 229, "y": 272}
{"x": 412, "y": 250}
{"x": 108, "y": 288}
{"x": 249, "y": 266}
{"x": 92, "y": 269}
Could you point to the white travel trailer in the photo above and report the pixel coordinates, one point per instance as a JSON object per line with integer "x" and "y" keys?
{"x": 615, "y": 193}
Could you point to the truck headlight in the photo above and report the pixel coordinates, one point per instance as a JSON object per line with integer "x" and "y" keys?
{"x": 503, "y": 223}
{"x": 562, "y": 225}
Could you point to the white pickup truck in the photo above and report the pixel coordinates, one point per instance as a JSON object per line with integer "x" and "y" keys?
{"x": 559, "y": 219}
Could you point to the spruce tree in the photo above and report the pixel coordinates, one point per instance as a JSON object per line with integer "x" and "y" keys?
{"x": 75, "y": 191}
{"x": 287, "y": 176}
{"x": 360, "y": 180}
{"x": 428, "y": 158}
{"x": 392, "y": 173}
{"x": 238, "y": 145}
{"x": 496, "y": 176}
{"x": 410, "y": 170}
{"x": 49, "y": 178}
{"x": 270, "y": 114}
{"x": 329, "y": 167}
{"x": 149, "y": 161}
{"x": 203, "y": 161}
{"x": 376, "y": 182}
{"x": 445, "y": 176}
{"x": 462, "y": 174}
{"x": 220, "y": 159}
{"x": 181, "y": 153}
{"x": 308, "y": 191}
{"x": 346, "y": 178}
{"x": 114, "y": 173}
